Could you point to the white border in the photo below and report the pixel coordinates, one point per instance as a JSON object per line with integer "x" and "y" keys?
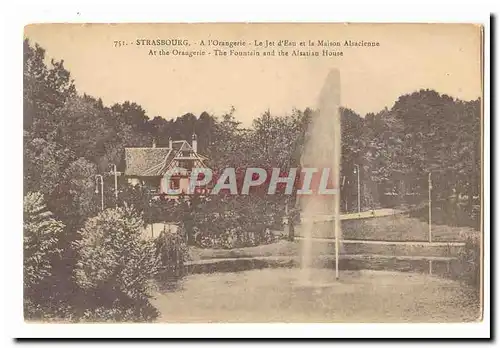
{"x": 203, "y": 11}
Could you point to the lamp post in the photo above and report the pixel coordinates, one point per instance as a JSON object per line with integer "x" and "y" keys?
{"x": 115, "y": 173}
{"x": 356, "y": 171}
{"x": 98, "y": 178}
{"x": 151, "y": 218}
{"x": 430, "y": 208}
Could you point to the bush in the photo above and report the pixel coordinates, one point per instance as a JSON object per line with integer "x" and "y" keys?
{"x": 225, "y": 238}
{"x": 470, "y": 259}
{"x": 115, "y": 266}
{"x": 41, "y": 234}
{"x": 136, "y": 311}
{"x": 235, "y": 221}
{"x": 172, "y": 252}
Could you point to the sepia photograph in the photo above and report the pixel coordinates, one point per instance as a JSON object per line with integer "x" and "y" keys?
{"x": 253, "y": 173}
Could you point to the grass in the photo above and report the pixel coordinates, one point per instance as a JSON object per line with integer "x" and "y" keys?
{"x": 397, "y": 227}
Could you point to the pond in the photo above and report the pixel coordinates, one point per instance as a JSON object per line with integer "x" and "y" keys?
{"x": 278, "y": 295}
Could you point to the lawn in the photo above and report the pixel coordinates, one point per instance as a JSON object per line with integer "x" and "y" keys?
{"x": 398, "y": 227}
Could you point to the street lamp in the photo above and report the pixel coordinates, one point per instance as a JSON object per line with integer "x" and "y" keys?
{"x": 97, "y": 178}
{"x": 115, "y": 173}
{"x": 356, "y": 171}
{"x": 430, "y": 211}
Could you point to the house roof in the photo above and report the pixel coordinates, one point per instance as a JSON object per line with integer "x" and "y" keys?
{"x": 153, "y": 161}
{"x": 181, "y": 145}
{"x": 141, "y": 161}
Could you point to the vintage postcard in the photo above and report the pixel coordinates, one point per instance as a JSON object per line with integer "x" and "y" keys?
{"x": 253, "y": 173}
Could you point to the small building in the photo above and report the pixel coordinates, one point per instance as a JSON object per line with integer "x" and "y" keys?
{"x": 160, "y": 168}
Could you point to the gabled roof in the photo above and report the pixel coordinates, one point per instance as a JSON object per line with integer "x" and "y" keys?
{"x": 141, "y": 161}
{"x": 181, "y": 145}
{"x": 154, "y": 161}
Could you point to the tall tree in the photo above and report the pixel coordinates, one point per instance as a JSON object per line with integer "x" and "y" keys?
{"x": 41, "y": 235}
{"x": 45, "y": 88}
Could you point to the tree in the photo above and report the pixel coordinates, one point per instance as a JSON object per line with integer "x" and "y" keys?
{"x": 425, "y": 132}
{"x": 383, "y": 147}
{"x": 230, "y": 144}
{"x": 276, "y": 138}
{"x": 132, "y": 114}
{"x": 82, "y": 127}
{"x": 352, "y": 144}
{"x": 45, "y": 89}
{"x": 75, "y": 197}
{"x": 173, "y": 253}
{"x": 44, "y": 163}
{"x": 41, "y": 235}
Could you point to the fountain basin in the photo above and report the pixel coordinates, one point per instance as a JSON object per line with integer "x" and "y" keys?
{"x": 274, "y": 295}
{"x": 442, "y": 266}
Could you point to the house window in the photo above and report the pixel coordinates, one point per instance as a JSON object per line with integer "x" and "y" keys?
{"x": 186, "y": 164}
{"x": 175, "y": 183}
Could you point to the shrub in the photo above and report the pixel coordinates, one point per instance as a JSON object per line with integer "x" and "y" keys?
{"x": 137, "y": 311}
{"x": 235, "y": 221}
{"x": 41, "y": 234}
{"x": 172, "y": 252}
{"x": 470, "y": 259}
{"x": 115, "y": 266}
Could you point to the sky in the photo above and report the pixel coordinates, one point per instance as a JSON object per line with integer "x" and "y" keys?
{"x": 444, "y": 57}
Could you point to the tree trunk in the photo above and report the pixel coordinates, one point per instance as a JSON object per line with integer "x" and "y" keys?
{"x": 291, "y": 230}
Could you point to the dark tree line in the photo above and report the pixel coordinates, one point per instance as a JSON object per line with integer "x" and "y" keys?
{"x": 68, "y": 138}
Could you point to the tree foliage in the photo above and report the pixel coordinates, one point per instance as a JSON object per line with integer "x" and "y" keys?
{"x": 173, "y": 253}
{"x": 41, "y": 235}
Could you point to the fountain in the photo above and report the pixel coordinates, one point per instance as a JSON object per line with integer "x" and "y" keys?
{"x": 322, "y": 149}
{"x": 310, "y": 293}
